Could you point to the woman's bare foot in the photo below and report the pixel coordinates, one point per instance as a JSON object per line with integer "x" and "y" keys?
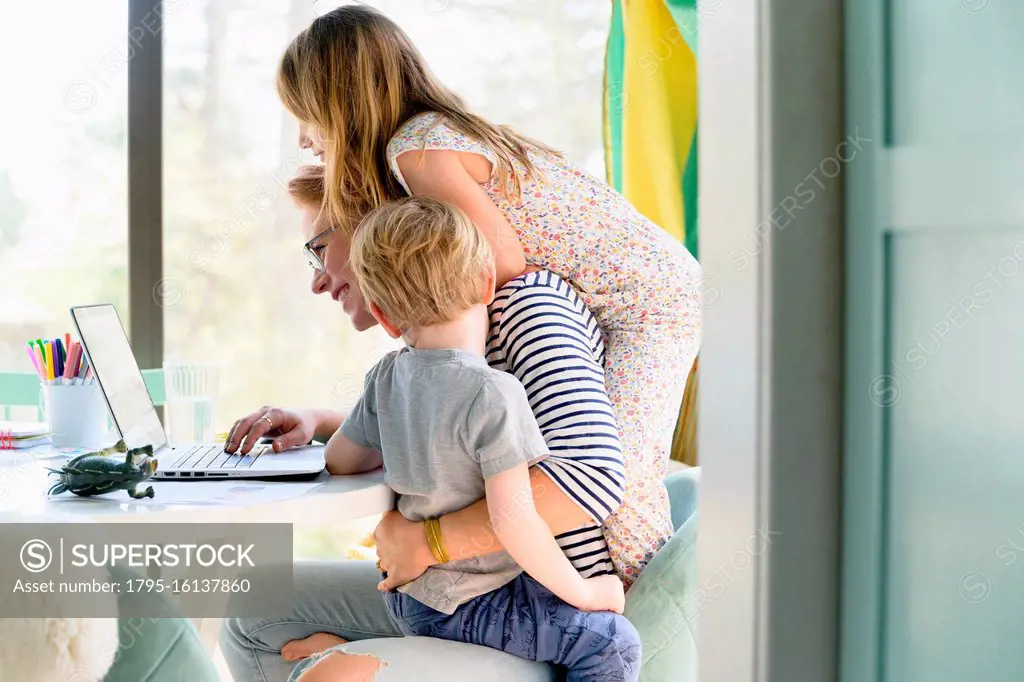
{"x": 298, "y": 649}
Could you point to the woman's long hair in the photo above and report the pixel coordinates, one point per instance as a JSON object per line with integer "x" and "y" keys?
{"x": 355, "y": 75}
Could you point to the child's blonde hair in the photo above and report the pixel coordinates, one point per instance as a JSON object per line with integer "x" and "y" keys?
{"x": 421, "y": 261}
{"x": 355, "y": 75}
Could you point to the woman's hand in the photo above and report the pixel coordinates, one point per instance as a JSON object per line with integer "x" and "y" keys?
{"x": 402, "y": 550}
{"x": 288, "y": 428}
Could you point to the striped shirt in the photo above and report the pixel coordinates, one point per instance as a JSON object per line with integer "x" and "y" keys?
{"x": 543, "y": 334}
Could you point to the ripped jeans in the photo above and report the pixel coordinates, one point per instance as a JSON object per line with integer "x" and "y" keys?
{"x": 341, "y": 597}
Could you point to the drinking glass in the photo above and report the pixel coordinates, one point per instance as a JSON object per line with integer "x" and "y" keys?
{"x": 191, "y": 399}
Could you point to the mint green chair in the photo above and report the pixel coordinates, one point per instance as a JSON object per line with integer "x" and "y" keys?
{"x": 21, "y": 389}
{"x": 163, "y": 648}
{"x": 664, "y": 603}
{"x": 160, "y": 650}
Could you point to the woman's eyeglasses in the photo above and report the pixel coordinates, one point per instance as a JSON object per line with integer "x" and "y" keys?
{"x": 314, "y": 249}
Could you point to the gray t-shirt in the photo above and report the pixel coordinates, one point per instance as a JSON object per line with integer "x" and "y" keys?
{"x": 444, "y": 421}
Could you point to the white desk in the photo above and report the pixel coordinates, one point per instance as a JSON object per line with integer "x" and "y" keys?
{"x": 24, "y": 481}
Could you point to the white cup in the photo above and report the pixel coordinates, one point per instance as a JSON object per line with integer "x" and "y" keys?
{"x": 77, "y": 415}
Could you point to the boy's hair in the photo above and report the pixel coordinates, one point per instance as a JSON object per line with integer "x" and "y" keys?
{"x": 421, "y": 261}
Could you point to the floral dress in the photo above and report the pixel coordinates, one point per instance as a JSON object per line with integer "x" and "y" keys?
{"x": 642, "y": 286}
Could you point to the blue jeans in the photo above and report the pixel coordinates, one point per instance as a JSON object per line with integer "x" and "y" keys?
{"x": 525, "y": 619}
{"x": 341, "y": 597}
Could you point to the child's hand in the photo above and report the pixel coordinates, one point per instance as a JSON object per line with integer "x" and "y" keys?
{"x": 604, "y": 593}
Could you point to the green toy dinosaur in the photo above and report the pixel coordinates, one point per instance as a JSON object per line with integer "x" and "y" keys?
{"x": 96, "y": 473}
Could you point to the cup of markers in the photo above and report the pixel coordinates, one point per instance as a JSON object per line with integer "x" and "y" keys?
{"x": 73, "y": 403}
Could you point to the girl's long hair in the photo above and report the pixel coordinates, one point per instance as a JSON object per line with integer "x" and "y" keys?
{"x": 355, "y": 75}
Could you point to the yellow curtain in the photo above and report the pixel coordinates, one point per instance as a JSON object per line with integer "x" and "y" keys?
{"x": 650, "y": 114}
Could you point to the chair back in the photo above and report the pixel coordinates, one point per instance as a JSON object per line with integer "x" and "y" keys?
{"x": 22, "y": 389}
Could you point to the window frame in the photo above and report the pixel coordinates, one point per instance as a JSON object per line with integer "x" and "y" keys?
{"x": 145, "y": 180}
{"x": 771, "y": 387}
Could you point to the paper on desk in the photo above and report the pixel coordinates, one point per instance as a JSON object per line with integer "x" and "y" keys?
{"x": 205, "y": 493}
{"x": 228, "y": 493}
{"x": 43, "y": 452}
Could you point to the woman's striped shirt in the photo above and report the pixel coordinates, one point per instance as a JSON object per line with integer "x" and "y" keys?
{"x": 542, "y": 333}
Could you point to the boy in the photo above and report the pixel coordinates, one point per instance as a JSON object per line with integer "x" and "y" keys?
{"x": 451, "y": 429}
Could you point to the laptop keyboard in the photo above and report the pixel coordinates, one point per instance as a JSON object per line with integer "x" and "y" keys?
{"x": 214, "y": 457}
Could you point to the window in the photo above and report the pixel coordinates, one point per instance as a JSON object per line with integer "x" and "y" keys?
{"x": 63, "y": 170}
{"x": 535, "y": 64}
{"x": 236, "y": 287}
{"x": 236, "y": 284}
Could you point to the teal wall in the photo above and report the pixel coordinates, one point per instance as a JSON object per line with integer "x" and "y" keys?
{"x": 933, "y": 569}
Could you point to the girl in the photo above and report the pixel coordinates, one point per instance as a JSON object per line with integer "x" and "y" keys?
{"x": 385, "y": 127}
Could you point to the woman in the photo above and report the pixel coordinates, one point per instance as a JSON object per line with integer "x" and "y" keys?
{"x": 340, "y": 601}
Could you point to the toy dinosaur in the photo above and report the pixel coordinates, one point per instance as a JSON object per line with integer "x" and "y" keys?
{"x": 96, "y": 473}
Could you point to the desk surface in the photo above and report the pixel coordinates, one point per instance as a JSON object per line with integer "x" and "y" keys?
{"x": 24, "y": 481}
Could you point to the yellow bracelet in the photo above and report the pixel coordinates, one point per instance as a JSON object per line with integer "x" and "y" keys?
{"x": 428, "y": 529}
{"x": 436, "y": 540}
{"x": 433, "y": 528}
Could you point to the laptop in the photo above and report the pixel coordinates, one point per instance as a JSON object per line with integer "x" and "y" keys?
{"x": 117, "y": 372}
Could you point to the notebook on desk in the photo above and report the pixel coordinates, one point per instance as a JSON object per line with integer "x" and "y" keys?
{"x": 134, "y": 415}
{"x": 19, "y": 435}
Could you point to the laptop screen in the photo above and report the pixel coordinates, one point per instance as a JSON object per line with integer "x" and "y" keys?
{"x": 106, "y": 346}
